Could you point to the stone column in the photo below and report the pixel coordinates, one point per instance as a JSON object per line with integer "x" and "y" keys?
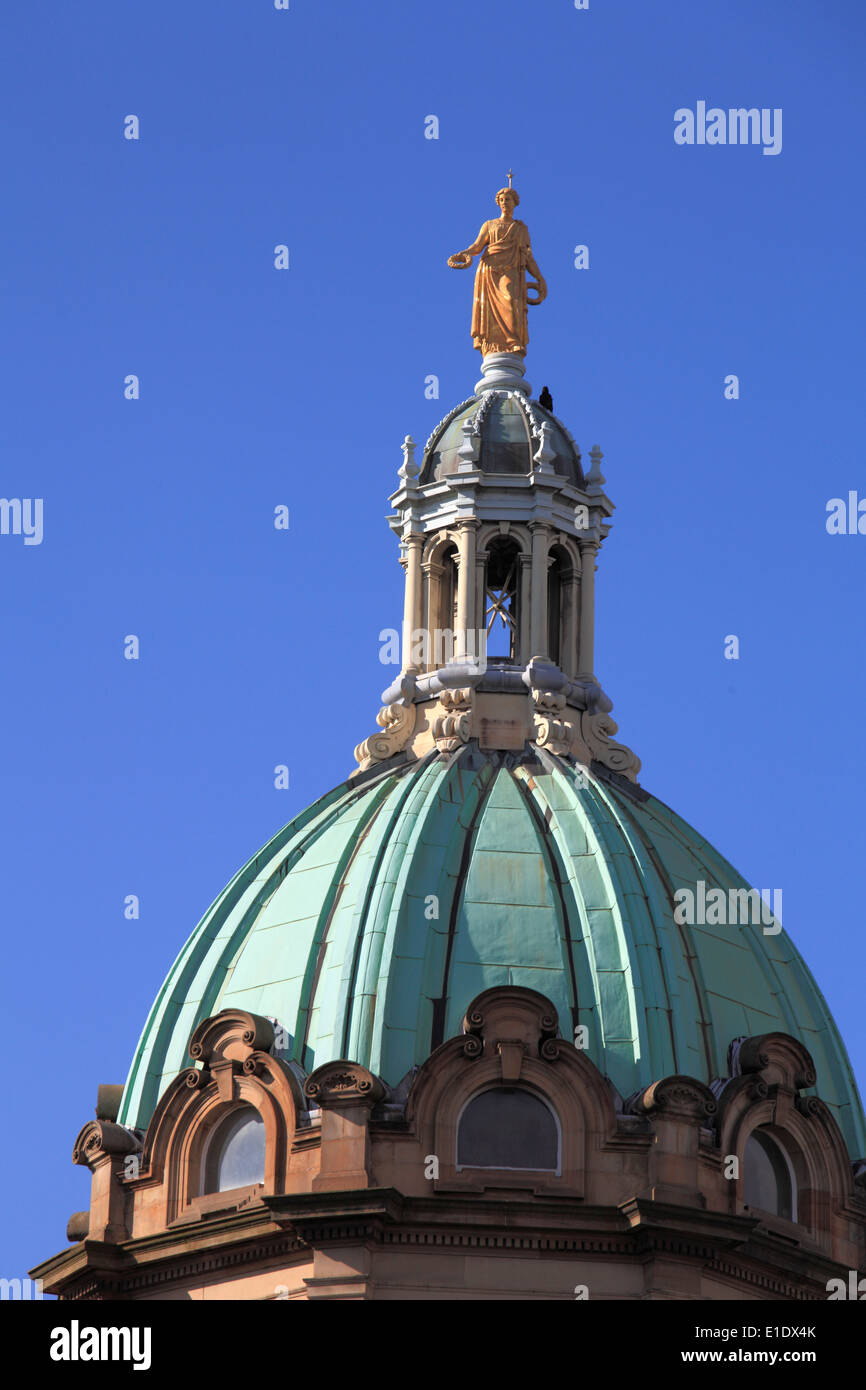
{"x": 465, "y": 587}
{"x": 538, "y": 611}
{"x": 432, "y": 614}
{"x": 568, "y": 598}
{"x": 480, "y": 586}
{"x": 524, "y": 590}
{"x": 412, "y": 598}
{"x": 586, "y": 654}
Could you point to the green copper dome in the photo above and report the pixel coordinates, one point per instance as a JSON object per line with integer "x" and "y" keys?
{"x": 369, "y": 923}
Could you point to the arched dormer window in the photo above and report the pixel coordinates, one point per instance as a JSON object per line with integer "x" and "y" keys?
{"x": 507, "y": 1127}
{"x": 235, "y": 1155}
{"x": 768, "y": 1178}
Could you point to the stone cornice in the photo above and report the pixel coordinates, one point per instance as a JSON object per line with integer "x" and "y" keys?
{"x": 728, "y": 1246}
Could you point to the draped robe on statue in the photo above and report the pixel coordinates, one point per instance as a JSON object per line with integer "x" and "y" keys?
{"x": 499, "y": 305}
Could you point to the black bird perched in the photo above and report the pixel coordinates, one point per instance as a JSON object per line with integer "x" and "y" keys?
{"x": 545, "y": 399}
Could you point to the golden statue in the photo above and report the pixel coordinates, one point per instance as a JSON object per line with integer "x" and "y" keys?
{"x": 501, "y": 288}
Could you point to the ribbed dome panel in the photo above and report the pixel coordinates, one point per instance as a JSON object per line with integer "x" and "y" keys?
{"x": 370, "y": 922}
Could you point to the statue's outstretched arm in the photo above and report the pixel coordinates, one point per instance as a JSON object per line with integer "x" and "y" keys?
{"x": 461, "y": 259}
{"x": 538, "y": 281}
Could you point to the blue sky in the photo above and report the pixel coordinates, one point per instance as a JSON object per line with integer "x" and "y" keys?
{"x": 260, "y": 387}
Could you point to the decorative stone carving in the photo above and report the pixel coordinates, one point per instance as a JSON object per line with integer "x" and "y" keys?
{"x": 554, "y": 730}
{"x": 452, "y": 725}
{"x": 810, "y": 1106}
{"x": 779, "y": 1057}
{"x": 596, "y": 730}
{"x": 679, "y": 1097}
{"x": 343, "y": 1083}
{"x": 505, "y": 1014}
{"x": 101, "y": 1139}
{"x": 230, "y": 1034}
{"x": 397, "y": 722}
{"x": 484, "y": 409}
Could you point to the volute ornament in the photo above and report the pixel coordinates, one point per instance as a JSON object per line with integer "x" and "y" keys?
{"x": 596, "y": 730}
{"x": 396, "y": 722}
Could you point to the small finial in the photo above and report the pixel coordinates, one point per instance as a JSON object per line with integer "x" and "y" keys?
{"x": 545, "y": 453}
{"x": 509, "y": 178}
{"x": 409, "y": 469}
{"x": 468, "y": 451}
{"x": 595, "y": 473}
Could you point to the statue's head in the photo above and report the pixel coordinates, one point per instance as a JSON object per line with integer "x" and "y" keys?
{"x": 508, "y": 194}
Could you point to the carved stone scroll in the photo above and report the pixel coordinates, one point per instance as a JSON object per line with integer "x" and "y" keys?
{"x": 397, "y": 722}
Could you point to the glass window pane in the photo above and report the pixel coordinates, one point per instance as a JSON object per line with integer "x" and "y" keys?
{"x": 766, "y": 1179}
{"x": 507, "y": 1128}
{"x": 241, "y": 1151}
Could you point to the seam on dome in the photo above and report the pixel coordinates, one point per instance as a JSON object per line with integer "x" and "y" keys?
{"x": 437, "y": 1028}
{"x": 361, "y": 1031}
{"x": 599, "y": 832}
{"x": 469, "y": 783}
{"x": 665, "y": 965}
{"x": 319, "y": 943}
{"x": 419, "y": 769}
{"x": 631, "y": 948}
{"x": 553, "y": 854}
{"x": 382, "y": 983}
{"x": 624, "y": 819}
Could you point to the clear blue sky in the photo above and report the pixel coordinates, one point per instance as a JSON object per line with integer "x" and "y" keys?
{"x": 261, "y": 387}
